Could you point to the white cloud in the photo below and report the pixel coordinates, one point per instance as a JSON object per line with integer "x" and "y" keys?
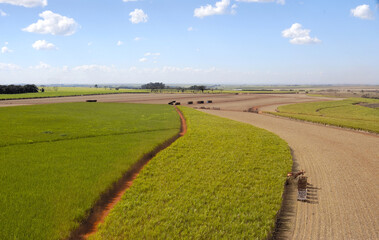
{"x": 54, "y": 24}
{"x": 89, "y": 43}
{"x": 129, "y": 0}
{"x": 190, "y": 29}
{"x": 299, "y": 35}
{"x": 5, "y": 49}
{"x": 209, "y": 10}
{"x": 119, "y": 43}
{"x": 363, "y": 12}
{"x": 138, "y": 16}
{"x": 3, "y": 14}
{"x": 137, "y": 39}
{"x": 92, "y": 67}
{"x": 26, "y": 3}
{"x": 282, "y": 2}
{"x": 152, "y": 54}
{"x": 43, "y": 45}
{"x": 41, "y": 65}
{"x": 143, "y": 60}
{"x": 9, "y": 66}
{"x": 234, "y": 9}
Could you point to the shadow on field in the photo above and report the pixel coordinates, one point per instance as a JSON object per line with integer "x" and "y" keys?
{"x": 312, "y": 196}
{"x": 286, "y": 216}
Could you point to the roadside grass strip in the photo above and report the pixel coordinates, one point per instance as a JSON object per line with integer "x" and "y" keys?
{"x": 222, "y": 180}
{"x": 47, "y": 186}
{"x": 346, "y": 113}
{"x": 69, "y": 91}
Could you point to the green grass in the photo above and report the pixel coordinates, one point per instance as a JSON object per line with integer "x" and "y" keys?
{"x": 63, "y": 156}
{"x": 69, "y": 91}
{"x": 222, "y": 180}
{"x": 345, "y": 113}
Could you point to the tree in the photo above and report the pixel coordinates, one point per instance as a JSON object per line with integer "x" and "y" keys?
{"x": 15, "y": 89}
{"x": 198, "y": 88}
{"x": 30, "y": 88}
{"x": 154, "y": 86}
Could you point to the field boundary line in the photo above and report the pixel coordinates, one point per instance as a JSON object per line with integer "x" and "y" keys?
{"x": 84, "y": 137}
{"x": 267, "y": 113}
{"x": 113, "y": 195}
{"x": 76, "y": 95}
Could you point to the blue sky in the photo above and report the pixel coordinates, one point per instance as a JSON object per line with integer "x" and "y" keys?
{"x": 197, "y": 41}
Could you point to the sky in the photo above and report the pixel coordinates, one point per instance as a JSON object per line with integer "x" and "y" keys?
{"x": 254, "y": 42}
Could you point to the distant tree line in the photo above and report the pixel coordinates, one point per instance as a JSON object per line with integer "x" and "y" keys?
{"x": 15, "y": 89}
{"x": 154, "y": 87}
{"x": 198, "y": 88}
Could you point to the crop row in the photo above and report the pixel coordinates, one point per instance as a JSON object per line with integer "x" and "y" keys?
{"x": 351, "y": 113}
{"x": 48, "y": 187}
{"x": 52, "y": 122}
{"x": 222, "y": 180}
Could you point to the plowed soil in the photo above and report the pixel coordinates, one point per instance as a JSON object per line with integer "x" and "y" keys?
{"x": 342, "y": 165}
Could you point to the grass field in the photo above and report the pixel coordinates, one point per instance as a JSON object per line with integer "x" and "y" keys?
{"x": 345, "y": 113}
{"x": 57, "y": 159}
{"x": 69, "y": 91}
{"x": 222, "y": 180}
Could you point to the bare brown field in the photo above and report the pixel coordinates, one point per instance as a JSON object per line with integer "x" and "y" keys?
{"x": 235, "y": 102}
{"x": 341, "y": 165}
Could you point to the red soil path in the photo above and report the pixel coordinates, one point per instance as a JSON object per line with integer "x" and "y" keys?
{"x": 110, "y": 199}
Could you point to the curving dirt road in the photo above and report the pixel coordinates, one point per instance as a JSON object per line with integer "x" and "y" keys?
{"x": 342, "y": 167}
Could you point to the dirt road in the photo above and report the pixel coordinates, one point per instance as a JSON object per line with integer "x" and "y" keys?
{"x": 226, "y": 101}
{"x": 342, "y": 167}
